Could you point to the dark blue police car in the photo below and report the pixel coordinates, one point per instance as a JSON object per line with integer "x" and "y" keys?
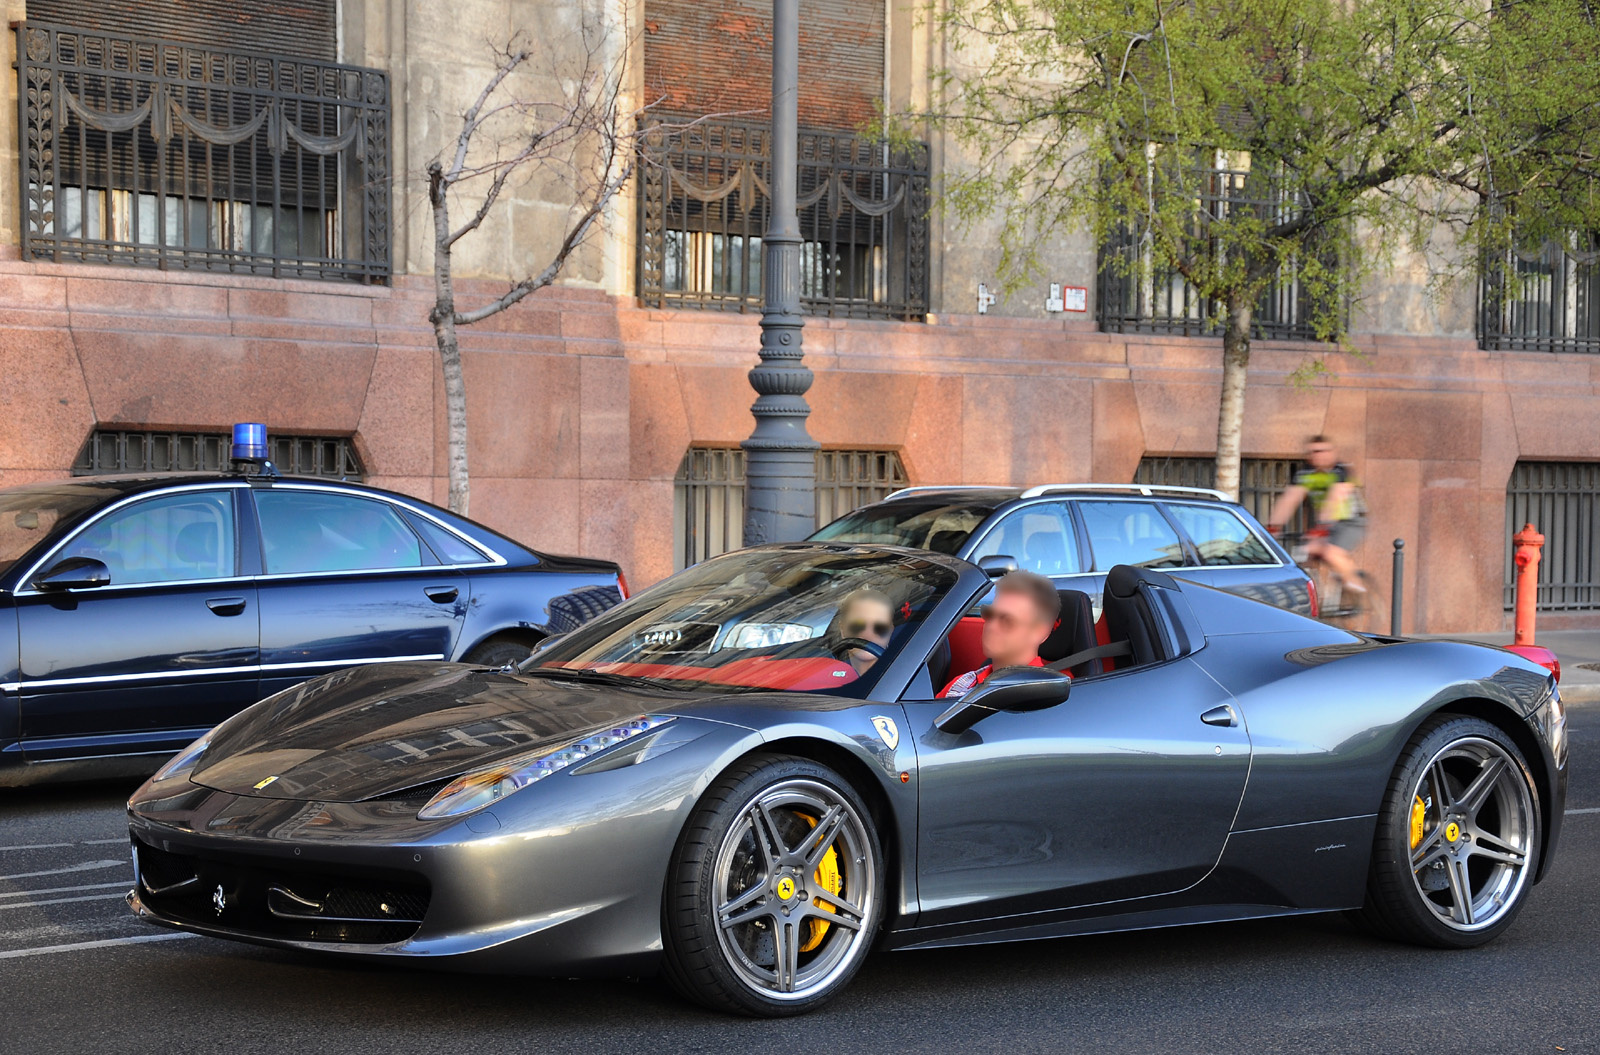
{"x": 138, "y": 612}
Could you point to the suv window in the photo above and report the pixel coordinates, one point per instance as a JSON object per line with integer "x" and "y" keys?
{"x": 1130, "y": 533}
{"x": 173, "y": 538}
{"x": 1220, "y": 536}
{"x": 1040, "y": 537}
{"x": 311, "y": 531}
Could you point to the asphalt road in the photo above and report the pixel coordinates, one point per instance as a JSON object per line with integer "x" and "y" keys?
{"x": 77, "y": 974}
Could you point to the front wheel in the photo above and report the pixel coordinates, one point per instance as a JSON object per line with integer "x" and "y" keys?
{"x": 775, "y": 891}
{"x": 1457, "y": 843}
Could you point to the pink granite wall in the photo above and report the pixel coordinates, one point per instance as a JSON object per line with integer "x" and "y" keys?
{"x": 582, "y": 404}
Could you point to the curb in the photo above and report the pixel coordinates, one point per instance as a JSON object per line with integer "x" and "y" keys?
{"x": 1583, "y": 693}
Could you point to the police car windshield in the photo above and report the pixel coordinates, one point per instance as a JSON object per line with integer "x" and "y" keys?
{"x": 802, "y": 620}
{"x": 29, "y": 515}
{"x": 941, "y": 526}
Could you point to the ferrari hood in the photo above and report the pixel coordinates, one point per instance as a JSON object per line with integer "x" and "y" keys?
{"x": 374, "y": 731}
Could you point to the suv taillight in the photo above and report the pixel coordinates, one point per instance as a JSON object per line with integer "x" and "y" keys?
{"x": 1311, "y": 595}
{"x": 622, "y": 584}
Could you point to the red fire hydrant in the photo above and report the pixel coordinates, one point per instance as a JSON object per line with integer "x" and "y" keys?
{"x": 1528, "y": 543}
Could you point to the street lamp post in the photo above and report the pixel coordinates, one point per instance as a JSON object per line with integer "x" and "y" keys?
{"x": 780, "y": 456}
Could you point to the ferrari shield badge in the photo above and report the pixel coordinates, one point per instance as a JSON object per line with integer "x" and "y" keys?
{"x": 888, "y": 732}
{"x": 219, "y": 899}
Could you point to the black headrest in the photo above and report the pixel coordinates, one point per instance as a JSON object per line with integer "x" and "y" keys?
{"x": 1074, "y": 632}
{"x": 947, "y": 541}
{"x": 1123, "y": 580}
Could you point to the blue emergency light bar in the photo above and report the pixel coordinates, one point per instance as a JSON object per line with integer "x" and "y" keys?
{"x": 249, "y": 442}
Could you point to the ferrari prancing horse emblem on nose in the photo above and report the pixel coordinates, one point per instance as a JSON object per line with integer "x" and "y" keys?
{"x": 888, "y": 732}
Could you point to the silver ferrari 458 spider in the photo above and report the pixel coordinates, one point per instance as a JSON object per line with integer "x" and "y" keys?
{"x": 728, "y": 781}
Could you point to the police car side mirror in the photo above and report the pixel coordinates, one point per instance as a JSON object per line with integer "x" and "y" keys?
{"x": 75, "y": 573}
{"x": 1014, "y": 689}
{"x": 997, "y": 564}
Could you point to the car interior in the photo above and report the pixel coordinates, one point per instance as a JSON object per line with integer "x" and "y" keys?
{"x": 1125, "y": 616}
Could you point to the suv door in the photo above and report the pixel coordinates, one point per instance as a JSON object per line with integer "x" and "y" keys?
{"x": 151, "y": 660}
{"x": 1234, "y": 556}
{"x": 347, "y": 581}
{"x": 1041, "y": 537}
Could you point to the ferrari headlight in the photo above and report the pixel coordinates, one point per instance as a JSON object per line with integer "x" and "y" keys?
{"x": 480, "y": 788}
{"x": 183, "y": 763}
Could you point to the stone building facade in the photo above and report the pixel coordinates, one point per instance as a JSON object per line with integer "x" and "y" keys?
{"x": 586, "y": 401}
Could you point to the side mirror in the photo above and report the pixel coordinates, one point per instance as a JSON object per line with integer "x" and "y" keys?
{"x": 997, "y": 564}
{"x": 1014, "y": 689}
{"x": 75, "y": 573}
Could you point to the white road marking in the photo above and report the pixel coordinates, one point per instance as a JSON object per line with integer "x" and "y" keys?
{"x": 66, "y": 889}
{"x": 121, "y": 840}
{"x": 59, "y": 901}
{"x": 44, "y": 950}
{"x": 87, "y": 866}
{"x": 1590, "y": 809}
{"x": 38, "y": 846}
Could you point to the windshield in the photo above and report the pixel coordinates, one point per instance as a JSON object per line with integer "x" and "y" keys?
{"x": 937, "y": 525}
{"x": 29, "y": 515}
{"x": 804, "y": 620}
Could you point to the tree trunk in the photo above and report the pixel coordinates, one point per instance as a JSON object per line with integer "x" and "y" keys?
{"x": 1230, "y": 417}
{"x": 443, "y": 317}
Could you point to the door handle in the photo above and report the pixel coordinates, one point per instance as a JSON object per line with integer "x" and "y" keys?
{"x": 1223, "y": 715}
{"x": 226, "y": 605}
{"x": 441, "y": 594}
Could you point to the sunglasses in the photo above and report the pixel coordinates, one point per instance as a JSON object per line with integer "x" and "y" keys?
{"x": 1005, "y": 620}
{"x": 857, "y": 627}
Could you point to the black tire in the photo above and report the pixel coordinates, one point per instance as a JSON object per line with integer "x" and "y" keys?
{"x": 1425, "y": 905}
{"x": 569, "y": 611}
{"x": 500, "y": 651}
{"x": 722, "y": 965}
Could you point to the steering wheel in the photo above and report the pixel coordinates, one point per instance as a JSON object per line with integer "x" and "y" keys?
{"x": 845, "y": 645}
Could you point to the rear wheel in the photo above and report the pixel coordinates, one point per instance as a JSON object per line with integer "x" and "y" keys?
{"x": 1457, "y": 843}
{"x": 775, "y": 891}
{"x": 500, "y": 652}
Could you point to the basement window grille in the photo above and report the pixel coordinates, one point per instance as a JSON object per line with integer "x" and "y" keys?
{"x": 1561, "y": 500}
{"x": 1261, "y": 481}
{"x": 112, "y": 451}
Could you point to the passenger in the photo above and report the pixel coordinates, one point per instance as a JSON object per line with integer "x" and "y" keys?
{"x": 1024, "y": 611}
{"x": 868, "y": 615}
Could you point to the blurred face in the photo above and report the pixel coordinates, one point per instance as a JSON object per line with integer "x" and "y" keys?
{"x": 870, "y": 620}
{"x": 1013, "y": 628}
{"x": 1321, "y": 455}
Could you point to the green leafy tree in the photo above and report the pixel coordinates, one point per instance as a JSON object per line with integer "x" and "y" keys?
{"x": 1240, "y": 144}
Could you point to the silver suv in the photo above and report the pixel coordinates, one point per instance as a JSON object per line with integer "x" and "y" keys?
{"x": 1075, "y": 533}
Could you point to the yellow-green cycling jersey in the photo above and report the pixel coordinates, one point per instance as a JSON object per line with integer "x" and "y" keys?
{"x": 1319, "y": 483}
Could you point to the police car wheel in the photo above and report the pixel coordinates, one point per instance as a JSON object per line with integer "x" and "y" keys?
{"x": 499, "y": 652}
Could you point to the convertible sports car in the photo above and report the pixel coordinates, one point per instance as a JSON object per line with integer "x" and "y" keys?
{"x": 717, "y": 779}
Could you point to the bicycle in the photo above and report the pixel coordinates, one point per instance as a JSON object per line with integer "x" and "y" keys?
{"x": 1336, "y": 606}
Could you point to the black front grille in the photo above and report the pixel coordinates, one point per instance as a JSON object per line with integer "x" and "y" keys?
{"x": 268, "y": 898}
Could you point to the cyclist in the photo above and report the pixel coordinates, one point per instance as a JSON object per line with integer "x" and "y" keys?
{"x": 1341, "y": 514}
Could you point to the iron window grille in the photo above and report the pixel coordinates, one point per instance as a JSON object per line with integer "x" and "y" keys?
{"x": 155, "y": 153}
{"x": 1547, "y": 301}
{"x": 704, "y": 204}
{"x": 1261, "y": 481}
{"x": 1134, "y": 295}
{"x": 708, "y": 495}
{"x": 134, "y": 451}
{"x": 1561, "y": 500}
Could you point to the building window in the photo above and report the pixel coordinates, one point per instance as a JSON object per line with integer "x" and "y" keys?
{"x": 704, "y": 206}
{"x": 130, "y": 451}
{"x": 1546, "y": 302}
{"x": 1136, "y": 296}
{"x": 1561, "y": 500}
{"x": 1261, "y": 481}
{"x": 708, "y": 495}
{"x": 156, "y": 153}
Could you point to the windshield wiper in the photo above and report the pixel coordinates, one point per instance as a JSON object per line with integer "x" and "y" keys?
{"x": 604, "y": 677}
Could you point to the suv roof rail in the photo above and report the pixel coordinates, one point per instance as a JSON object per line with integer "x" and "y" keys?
{"x": 938, "y": 487}
{"x": 1148, "y": 490}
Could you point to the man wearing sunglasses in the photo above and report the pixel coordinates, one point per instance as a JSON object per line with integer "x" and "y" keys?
{"x": 1019, "y": 619}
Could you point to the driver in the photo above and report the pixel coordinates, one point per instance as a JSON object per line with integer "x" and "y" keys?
{"x": 867, "y": 615}
{"x": 1021, "y": 617}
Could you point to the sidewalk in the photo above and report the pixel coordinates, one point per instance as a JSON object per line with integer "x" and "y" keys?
{"x": 1572, "y": 648}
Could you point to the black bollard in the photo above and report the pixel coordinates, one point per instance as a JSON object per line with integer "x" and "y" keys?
{"x": 1398, "y": 587}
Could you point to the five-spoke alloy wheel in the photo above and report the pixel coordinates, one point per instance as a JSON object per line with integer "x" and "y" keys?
{"x": 776, "y": 889}
{"x": 1457, "y": 844}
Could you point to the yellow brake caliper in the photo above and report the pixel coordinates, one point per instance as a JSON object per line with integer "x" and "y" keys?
{"x": 827, "y": 878}
{"x": 1418, "y": 813}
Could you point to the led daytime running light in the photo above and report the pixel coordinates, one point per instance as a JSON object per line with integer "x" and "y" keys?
{"x": 473, "y": 791}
